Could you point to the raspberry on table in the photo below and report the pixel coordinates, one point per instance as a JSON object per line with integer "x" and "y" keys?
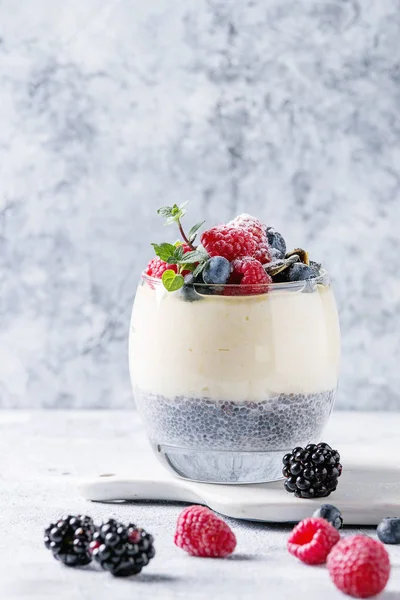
{"x": 229, "y": 242}
{"x": 312, "y": 540}
{"x": 200, "y": 532}
{"x": 248, "y": 273}
{"x": 257, "y": 230}
{"x": 359, "y": 566}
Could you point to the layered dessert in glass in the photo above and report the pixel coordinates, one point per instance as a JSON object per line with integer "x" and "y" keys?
{"x": 234, "y": 357}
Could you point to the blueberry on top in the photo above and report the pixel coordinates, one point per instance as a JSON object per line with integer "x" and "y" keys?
{"x": 276, "y": 241}
{"x": 300, "y": 272}
{"x": 217, "y": 270}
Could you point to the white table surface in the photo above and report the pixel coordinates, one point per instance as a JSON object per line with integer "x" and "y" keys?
{"x": 42, "y": 452}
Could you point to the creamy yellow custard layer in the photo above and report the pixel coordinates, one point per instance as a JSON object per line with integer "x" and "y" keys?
{"x": 234, "y": 348}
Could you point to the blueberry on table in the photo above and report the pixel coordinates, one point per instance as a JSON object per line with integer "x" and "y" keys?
{"x": 388, "y": 530}
{"x": 331, "y": 514}
{"x": 217, "y": 270}
{"x": 276, "y": 241}
{"x": 300, "y": 272}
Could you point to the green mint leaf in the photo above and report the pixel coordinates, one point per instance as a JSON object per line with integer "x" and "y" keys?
{"x": 178, "y": 254}
{"x": 172, "y": 213}
{"x": 172, "y": 281}
{"x": 164, "y": 251}
{"x": 198, "y": 255}
{"x": 193, "y": 232}
{"x": 165, "y": 211}
{"x": 182, "y": 206}
{"x": 199, "y": 269}
{"x": 176, "y": 257}
{"x": 186, "y": 267}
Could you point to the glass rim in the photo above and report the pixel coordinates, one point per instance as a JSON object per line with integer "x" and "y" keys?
{"x": 261, "y": 286}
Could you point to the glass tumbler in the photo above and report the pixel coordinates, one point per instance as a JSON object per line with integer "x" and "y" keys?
{"x": 227, "y": 384}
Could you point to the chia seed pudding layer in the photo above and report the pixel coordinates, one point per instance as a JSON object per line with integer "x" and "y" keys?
{"x": 279, "y": 423}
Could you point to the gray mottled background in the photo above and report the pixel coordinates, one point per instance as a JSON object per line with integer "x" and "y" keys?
{"x": 109, "y": 109}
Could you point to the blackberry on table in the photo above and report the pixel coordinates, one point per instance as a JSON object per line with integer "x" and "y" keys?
{"x": 312, "y": 472}
{"x": 122, "y": 550}
{"x": 69, "y": 540}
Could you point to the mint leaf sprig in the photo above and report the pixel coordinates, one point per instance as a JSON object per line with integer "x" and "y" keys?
{"x": 174, "y": 214}
{"x": 172, "y": 281}
{"x": 173, "y": 254}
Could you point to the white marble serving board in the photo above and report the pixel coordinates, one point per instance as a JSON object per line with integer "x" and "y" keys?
{"x": 369, "y": 489}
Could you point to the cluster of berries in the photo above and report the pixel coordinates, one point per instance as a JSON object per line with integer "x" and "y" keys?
{"x": 358, "y": 565}
{"x": 123, "y": 550}
{"x": 243, "y": 254}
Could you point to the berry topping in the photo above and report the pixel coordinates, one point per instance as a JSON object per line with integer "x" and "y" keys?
{"x": 156, "y": 267}
{"x": 200, "y": 532}
{"x": 312, "y": 472}
{"x": 69, "y": 540}
{"x": 122, "y": 550}
{"x": 250, "y": 275}
{"x": 359, "y": 566}
{"x": 229, "y": 242}
{"x": 300, "y": 272}
{"x": 312, "y": 540}
{"x": 257, "y": 230}
{"x": 276, "y": 242}
{"x": 331, "y": 514}
{"x": 243, "y": 237}
{"x": 316, "y": 268}
{"x": 216, "y": 270}
{"x": 388, "y": 530}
